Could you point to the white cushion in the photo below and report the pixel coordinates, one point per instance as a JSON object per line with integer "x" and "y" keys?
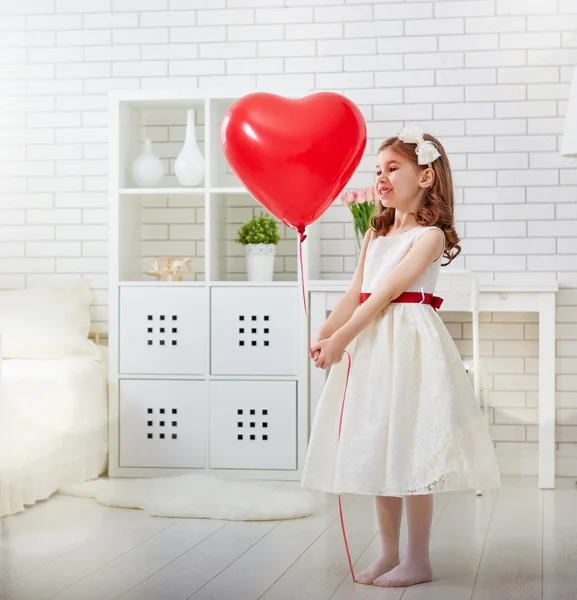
{"x": 46, "y": 323}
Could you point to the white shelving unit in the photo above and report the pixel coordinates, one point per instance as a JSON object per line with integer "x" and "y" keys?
{"x": 210, "y": 373}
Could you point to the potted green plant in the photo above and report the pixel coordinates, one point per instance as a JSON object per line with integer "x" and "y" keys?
{"x": 259, "y": 236}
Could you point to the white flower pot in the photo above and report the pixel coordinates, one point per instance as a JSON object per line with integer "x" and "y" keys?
{"x": 260, "y": 261}
{"x": 189, "y": 165}
{"x": 147, "y": 169}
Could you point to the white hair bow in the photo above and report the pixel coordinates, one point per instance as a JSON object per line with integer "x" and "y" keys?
{"x": 426, "y": 150}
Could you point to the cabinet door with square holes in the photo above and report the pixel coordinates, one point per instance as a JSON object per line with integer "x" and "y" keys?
{"x": 162, "y": 330}
{"x": 254, "y": 331}
{"x": 253, "y": 425}
{"x": 162, "y": 423}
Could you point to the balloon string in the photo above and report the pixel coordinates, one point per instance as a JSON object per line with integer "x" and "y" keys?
{"x": 302, "y": 238}
{"x": 340, "y": 505}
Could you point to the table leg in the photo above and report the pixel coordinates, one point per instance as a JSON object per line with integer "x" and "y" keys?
{"x": 547, "y": 353}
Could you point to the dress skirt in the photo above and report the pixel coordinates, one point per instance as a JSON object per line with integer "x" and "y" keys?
{"x": 411, "y": 421}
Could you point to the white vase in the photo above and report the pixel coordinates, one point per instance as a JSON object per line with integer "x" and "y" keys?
{"x": 147, "y": 169}
{"x": 189, "y": 165}
{"x": 260, "y": 261}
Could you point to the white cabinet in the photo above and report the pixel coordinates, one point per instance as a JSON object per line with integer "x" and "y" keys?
{"x": 162, "y": 423}
{"x": 254, "y": 331}
{"x": 253, "y": 425}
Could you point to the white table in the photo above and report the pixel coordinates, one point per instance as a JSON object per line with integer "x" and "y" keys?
{"x": 323, "y": 295}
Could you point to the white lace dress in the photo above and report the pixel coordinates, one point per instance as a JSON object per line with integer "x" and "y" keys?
{"x": 411, "y": 422}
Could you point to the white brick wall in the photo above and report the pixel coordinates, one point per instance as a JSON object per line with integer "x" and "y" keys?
{"x": 490, "y": 77}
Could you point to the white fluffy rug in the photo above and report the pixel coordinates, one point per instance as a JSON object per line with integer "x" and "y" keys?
{"x": 199, "y": 496}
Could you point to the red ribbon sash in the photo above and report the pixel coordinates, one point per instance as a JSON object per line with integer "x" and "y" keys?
{"x": 412, "y": 298}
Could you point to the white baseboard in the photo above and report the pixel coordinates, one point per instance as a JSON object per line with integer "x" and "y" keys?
{"x": 526, "y": 461}
{"x": 520, "y": 462}
{"x": 566, "y": 461}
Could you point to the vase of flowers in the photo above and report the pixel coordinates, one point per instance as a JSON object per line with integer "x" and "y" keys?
{"x": 361, "y": 203}
{"x": 259, "y": 236}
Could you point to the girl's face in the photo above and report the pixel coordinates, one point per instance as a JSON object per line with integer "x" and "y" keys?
{"x": 399, "y": 182}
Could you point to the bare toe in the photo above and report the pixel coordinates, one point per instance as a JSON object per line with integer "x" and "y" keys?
{"x": 378, "y": 568}
{"x": 407, "y": 573}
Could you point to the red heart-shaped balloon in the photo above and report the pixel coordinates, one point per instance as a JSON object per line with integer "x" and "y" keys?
{"x": 294, "y": 155}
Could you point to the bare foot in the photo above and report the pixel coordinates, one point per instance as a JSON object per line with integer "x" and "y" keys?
{"x": 379, "y": 567}
{"x": 407, "y": 573}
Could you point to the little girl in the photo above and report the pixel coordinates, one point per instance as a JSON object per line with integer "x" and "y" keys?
{"x": 411, "y": 425}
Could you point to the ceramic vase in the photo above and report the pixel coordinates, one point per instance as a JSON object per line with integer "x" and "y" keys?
{"x": 189, "y": 166}
{"x": 147, "y": 169}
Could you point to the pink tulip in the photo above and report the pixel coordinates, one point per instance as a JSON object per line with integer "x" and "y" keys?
{"x": 347, "y": 198}
{"x": 361, "y": 196}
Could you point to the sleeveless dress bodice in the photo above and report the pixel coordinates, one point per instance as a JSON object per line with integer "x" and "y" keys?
{"x": 385, "y": 252}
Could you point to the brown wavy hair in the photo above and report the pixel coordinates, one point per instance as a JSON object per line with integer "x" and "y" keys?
{"x": 437, "y": 208}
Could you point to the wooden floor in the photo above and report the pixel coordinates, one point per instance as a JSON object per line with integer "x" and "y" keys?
{"x": 517, "y": 544}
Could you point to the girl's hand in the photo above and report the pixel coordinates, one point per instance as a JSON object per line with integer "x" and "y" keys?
{"x": 327, "y": 352}
{"x": 320, "y": 336}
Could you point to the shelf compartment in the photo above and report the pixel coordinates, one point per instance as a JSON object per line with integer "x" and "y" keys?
{"x": 162, "y": 330}
{"x": 253, "y": 425}
{"x": 221, "y": 175}
{"x": 228, "y": 212}
{"x": 162, "y": 423}
{"x": 165, "y": 126}
{"x": 160, "y": 226}
{"x": 256, "y": 334}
